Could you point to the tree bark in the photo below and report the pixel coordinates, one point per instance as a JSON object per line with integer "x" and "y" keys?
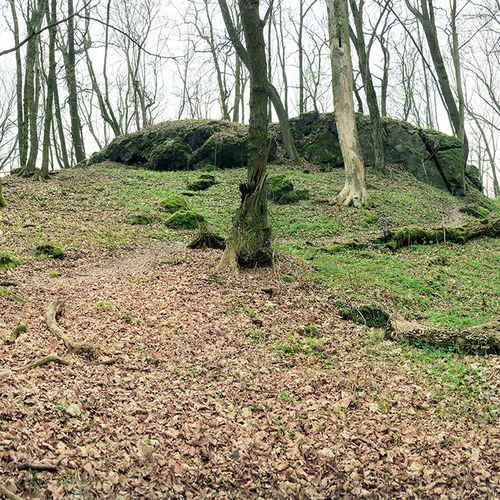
{"x": 76, "y": 127}
{"x": 371, "y": 95}
{"x": 354, "y": 192}
{"x": 273, "y": 94}
{"x": 51, "y": 83}
{"x": 249, "y": 242}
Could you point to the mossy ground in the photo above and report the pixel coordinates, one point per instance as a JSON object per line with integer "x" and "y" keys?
{"x": 87, "y": 212}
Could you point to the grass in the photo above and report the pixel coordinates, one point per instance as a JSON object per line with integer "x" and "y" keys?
{"x": 88, "y": 212}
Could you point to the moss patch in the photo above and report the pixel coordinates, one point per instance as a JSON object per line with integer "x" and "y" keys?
{"x": 203, "y": 182}
{"x": 50, "y": 251}
{"x": 173, "y": 203}
{"x": 184, "y": 219}
{"x": 8, "y": 261}
{"x": 280, "y": 190}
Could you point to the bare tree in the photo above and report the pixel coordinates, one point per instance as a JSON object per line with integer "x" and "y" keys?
{"x": 354, "y": 192}
{"x": 249, "y": 242}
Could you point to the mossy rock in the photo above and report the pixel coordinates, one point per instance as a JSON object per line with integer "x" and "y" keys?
{"x": 473, "y": 175}
{"x": 451, "y": 164}
{"x": 203, "y": 182}
{"x": 224, "y": 149}
{"x": 8, "y": 261}
{"x": 173, "y": 154}
{"x": 280, "y": 190}
{"x": 369, "y": 315}
{"x": 475, "y": 211}
{"x": 184, "y": 219}
{"x": 437, "y": 141}
{"x": 50, "y": 251}
{"x": 173, "y": 203}
{"x": 140, "y": 219}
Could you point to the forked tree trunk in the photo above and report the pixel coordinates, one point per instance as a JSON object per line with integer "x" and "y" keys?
{"x": 354, "y": 192}
{"x": 249, "y": 242}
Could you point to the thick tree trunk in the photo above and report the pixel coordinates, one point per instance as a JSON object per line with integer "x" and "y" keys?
{"x": 249, "y": 242}
{"x": 354, "y": 192}
{"x": 76, "y": 128}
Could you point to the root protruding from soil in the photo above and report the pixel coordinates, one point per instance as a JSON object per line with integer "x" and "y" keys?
{"x": 51, "y": 358}
{"x": 81, "y": 349}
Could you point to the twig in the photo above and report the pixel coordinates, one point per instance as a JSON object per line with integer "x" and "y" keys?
{"x": 38, "y": 467}
{"x": 52, "y": 358}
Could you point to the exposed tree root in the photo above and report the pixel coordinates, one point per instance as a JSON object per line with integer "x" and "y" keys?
{"x": 8, "y": 283}
{"x": 37, "y": 467}
{"x": 482, "y": 339}
{"x": 15, "y": 334}
{"x": 207, "y": 239}
{"x": 8, "y": 494}
{"x": 51, "y": 358}
{"x": 411, "y": 235}
{"x": 85, "y": 350}
{"x": 350, "y": 197}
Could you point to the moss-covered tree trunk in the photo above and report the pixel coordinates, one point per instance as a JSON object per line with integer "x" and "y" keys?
{"x": 249, "y": 242}
{"x": 354, "y": 192}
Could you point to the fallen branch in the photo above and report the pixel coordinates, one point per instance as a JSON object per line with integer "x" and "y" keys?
{"x": 482, "y": 339}
{"x": 51, "y": 358}
{"x": 8, "y": 283}
{"x": 15, "y": 334}
{"x": 412, "y": 235}
{"x": 87, "y": 350}
{"x": 37, "y": 467}
{"x": 8, "y": 494}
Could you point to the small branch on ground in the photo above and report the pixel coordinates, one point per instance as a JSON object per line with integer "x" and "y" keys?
{"x": 81, "y": 349}
{"x": 52, "y": 358}
{"x": 8, "y": 494}
{"x": 8, "y": 283}
{"x": 15, "y": 334}
{"x": 37, "y": 467}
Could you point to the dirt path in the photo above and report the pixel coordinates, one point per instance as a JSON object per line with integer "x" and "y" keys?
{"x": 232, "y": 387}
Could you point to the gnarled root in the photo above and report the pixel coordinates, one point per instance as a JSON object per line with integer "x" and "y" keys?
{"x": 52, "y": 358}
{"x": 15, "y": 334}
{"x": 85, "y": 350}
{"x": 207, "y": 239}
{"x": 351, "y": 197}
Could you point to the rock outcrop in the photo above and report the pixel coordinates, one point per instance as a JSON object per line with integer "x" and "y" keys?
{"x": 431, "y": 156}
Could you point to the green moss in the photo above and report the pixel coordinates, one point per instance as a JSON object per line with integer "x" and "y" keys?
{"x": 10, "y": 295}
{"x": 370, "y": 315}
{"x": 280, "y": 190}
{"x": 184, "y": 219}
{"x": 475, "y": 211}
{"x": 289, "y": 278}
{"x": 8, "y": 261}
{"x": 50, "y": 251}
{"x": 140, "y": 220}
{"x": 203, "y": 182}
{"x": 173, "y": 154}
{"x": 173, "y": 203}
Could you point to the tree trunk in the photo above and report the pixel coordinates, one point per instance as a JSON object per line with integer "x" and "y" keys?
{"x": 273, "y": 94}
{"x": 51, "y": 83}
{"x": 371, "y": 95}
{"x": 354, "y": 192}
{"x": 249, "y": 242}
{"x": 76, "y": 128}
{"x": 22, "y": 142}
{"x": 3, "y": 201}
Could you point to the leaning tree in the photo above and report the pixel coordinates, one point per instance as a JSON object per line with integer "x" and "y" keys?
{"x": 249, "y": 241}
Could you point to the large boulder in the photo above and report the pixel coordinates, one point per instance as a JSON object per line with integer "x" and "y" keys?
{"x": 431, "y": 156}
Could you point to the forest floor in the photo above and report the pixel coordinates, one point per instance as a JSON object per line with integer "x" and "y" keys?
{"x": 248, "y": 386}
